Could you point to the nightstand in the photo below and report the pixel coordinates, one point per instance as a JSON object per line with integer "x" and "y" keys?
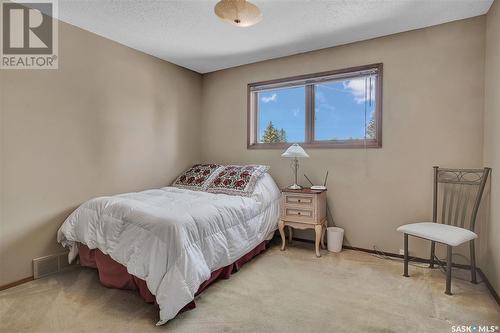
{"x": 303, "y": 209}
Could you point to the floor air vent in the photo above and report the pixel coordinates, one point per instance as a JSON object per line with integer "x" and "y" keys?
{"x": 50, "y": 264}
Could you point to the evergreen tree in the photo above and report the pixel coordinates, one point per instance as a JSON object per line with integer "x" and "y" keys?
{"x": 282, "y": 135}
{"x": 273, "y": 135}
{"x": 370, "y": 129}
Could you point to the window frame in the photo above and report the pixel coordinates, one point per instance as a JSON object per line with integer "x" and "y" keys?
{"x": 308, "y": 81}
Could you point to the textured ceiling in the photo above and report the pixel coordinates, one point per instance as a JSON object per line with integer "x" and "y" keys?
{"x": 188, "y": 33}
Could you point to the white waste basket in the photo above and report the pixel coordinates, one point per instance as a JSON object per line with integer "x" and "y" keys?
{"x": 335, "y": 237}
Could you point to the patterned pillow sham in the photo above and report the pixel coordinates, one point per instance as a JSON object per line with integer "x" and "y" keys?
{"x": 237, "y": 179}
{"x": 197, "y": 177}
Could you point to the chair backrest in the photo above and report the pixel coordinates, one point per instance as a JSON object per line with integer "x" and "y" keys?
{"x": 457, "y": 195}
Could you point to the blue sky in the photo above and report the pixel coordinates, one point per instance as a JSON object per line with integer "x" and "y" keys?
{"x": 339, "y": 114}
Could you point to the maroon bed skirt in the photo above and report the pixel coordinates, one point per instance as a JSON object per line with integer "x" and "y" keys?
{"x": 114, "y": 275}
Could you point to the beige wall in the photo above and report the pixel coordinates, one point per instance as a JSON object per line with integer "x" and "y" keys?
{"x": 432, "y": 115}
{"x": 109, "y": 120}
{"x": 112, "y": 120}
{"x": 491, "y": 259}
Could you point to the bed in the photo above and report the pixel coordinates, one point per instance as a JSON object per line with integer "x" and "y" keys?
{"x": 172, "y": 238}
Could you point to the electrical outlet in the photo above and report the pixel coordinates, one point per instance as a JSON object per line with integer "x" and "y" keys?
{"x": 402, "y": 252}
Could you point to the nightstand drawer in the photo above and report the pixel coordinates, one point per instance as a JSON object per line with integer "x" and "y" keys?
{"x": 302, "y": 200}
{"x": 298, "y": 214}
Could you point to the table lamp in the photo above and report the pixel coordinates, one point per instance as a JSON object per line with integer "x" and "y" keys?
{"x": 295, "y": 151}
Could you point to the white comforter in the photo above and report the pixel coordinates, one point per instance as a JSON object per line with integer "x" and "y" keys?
{"x": 174, "y": 238}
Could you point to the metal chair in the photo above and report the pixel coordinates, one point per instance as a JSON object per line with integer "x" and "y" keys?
{"x": 457, "y": 210}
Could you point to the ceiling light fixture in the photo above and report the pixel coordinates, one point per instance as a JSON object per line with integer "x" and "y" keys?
{"x": 240, "y": 13}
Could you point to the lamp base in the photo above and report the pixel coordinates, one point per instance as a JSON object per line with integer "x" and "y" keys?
{"x": 295, "y": 187}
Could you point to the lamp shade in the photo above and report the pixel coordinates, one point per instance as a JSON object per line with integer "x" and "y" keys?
{"x": 295, "y": 151}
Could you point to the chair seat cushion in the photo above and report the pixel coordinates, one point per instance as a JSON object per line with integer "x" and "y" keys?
{"x": 442, "y": 233}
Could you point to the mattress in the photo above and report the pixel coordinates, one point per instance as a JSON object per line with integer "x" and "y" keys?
{"x": 174, "y": 238}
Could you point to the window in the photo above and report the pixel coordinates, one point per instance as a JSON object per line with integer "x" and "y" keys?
{"x": 341, "y": 108}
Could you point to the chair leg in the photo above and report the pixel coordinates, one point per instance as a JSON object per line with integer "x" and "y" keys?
{"x": 472, "y": 262}
{"x": 406, "y": 257}
{"x": 433, "y": 251}
{"x": 448, "y": 270}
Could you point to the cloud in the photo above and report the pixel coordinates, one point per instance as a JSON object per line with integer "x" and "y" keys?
{"x": 296, "y": 112}
{"x": 326, "y": 107}
{"x": 357, "y": 89}
{"x": 322, "y": 103}
{"x": 320, "y": 97}
{"x": 267, "y": 99}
